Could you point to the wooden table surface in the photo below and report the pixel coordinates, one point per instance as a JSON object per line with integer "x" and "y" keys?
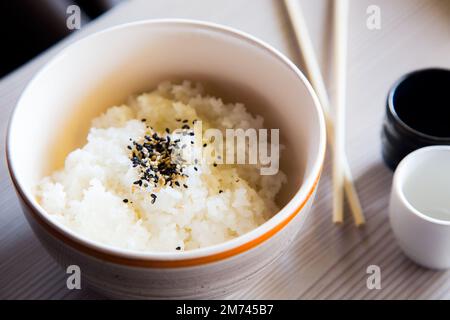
{"x": 326, "y": 261}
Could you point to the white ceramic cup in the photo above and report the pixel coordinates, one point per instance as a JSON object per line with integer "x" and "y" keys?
{"x": 420, "y": 206}
{"x": 54, "y": 114}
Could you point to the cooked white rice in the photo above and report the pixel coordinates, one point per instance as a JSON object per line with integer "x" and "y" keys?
{"x": 221, "y": 203}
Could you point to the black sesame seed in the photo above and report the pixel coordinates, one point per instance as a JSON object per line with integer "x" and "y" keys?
{"x": 195, "y": 168}
{"x": 125, "y": 200}
{"x": 204, "y": 145}
{"x": 185, "y": 185}
{"x": 154, "y": 159}
{"x": 143, "y": 119}
{"x": 167, "y": 130}
{"x": 215, "y": 164}
{"x": 178, "y": 248}
{"x": 185, "y": 120}
{"x": 177, "y": 183}
{"x": 220, "y": 191}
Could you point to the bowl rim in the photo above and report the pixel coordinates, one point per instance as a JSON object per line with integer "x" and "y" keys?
{"x": 193, "y": 257}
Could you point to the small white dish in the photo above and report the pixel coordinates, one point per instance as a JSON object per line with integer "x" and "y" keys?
{"x": 420, "y": 206}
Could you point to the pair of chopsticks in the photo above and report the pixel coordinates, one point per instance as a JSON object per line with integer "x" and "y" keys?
{"x": 342, "y": 177}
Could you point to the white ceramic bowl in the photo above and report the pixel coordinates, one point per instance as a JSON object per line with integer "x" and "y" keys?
{"x": 53, "y": 115}
{"x": 420, "y": 206}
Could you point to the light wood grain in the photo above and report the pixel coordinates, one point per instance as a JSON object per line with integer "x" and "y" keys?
{"x": 325, "y": 261}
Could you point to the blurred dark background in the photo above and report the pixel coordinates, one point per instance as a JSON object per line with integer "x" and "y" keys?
{"x": 28, "y": 27}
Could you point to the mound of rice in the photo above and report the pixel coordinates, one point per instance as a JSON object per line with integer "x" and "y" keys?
{"x": 94, "y": 194}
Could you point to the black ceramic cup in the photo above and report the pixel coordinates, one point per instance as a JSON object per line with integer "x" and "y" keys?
{"x": 417, "y": 114}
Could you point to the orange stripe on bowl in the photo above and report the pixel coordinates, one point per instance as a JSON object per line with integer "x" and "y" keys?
{"x": 162, "y": 263}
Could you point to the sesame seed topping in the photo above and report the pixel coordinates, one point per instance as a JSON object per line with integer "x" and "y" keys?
{"x": 157, "y": 164}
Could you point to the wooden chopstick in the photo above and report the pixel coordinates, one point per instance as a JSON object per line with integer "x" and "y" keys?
{"x": 340, "y": 29}
{"x": 313, "y": 70}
